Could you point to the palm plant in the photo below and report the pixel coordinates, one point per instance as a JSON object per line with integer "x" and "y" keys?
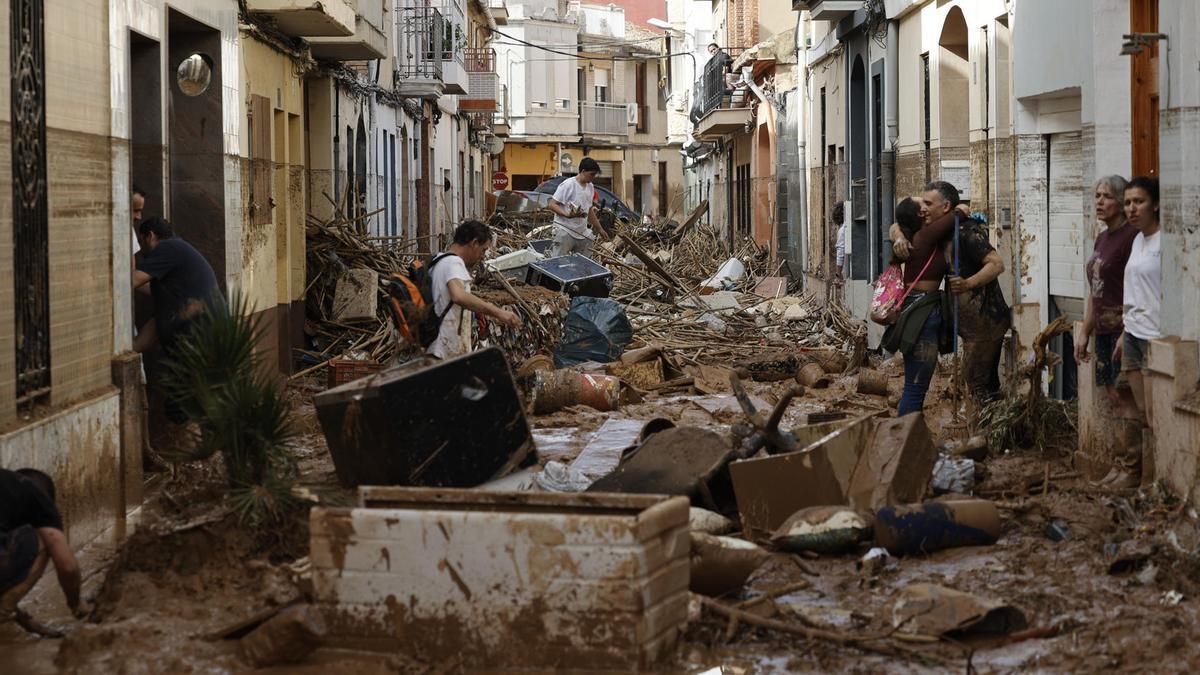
{"x": 217, "y": 378}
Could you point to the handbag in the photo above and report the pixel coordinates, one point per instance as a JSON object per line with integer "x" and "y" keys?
{"x": 890, "y": 292}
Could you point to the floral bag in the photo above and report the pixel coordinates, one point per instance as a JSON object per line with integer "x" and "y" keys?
{"x": 890, "y": 293}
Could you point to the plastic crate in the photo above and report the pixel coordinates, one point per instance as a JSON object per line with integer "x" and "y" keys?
{"x": 342, "y": 371}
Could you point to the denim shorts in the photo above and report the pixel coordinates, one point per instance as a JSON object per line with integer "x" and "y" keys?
{"x": 1108, "y": 371}
{"x": 1133, "y": 353}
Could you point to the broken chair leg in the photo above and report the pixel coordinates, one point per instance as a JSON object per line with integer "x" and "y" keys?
{"x": 766, "y": 431}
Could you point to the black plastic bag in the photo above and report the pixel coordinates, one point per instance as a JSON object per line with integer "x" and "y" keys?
{"x": 596, "y": 329}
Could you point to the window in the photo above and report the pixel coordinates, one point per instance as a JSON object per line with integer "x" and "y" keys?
{"x": 928, "y": 129}
{"x": 260, "y": 160}
{"x": 601, "y": 85}
{"x": 640, "y": 97}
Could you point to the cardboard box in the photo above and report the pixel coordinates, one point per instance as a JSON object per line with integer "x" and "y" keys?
{"x": 770, "y": 489}
{"x": 896, "y": 466}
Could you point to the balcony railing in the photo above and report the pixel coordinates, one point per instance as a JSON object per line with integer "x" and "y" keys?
{"x": 454, "y": 37}
{"x": 603, "y": 119}
{"x": 483, "y": 84}
{"x": 713, "y": 90}
{"x": 422, "y": 30}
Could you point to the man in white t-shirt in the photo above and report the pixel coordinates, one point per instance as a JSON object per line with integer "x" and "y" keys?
{"x": 574, "y": 207}
{"x": 452, "y": 286}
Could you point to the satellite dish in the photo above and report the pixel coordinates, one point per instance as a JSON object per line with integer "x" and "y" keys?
{"x": 495, "y": 145}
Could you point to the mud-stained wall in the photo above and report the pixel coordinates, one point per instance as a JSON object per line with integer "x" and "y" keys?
{"x": 78, "y": 200}
{"x": 76, "y": 445}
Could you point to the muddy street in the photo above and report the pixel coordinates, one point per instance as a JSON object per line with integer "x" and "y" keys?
{"x": 1102, "y": 579}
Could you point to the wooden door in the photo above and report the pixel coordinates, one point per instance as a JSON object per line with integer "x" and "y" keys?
{"x": 1143, "y": 18}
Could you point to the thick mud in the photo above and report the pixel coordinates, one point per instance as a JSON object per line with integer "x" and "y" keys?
{"x": 190, "y": 571}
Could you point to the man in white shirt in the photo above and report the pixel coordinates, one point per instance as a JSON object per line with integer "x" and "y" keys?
{"x": 452, "y": 298}
{"x": 573, "y": 206}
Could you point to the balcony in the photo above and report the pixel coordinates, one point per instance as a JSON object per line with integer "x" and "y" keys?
{"x": 483, "y": 83}
{"x": 721, "y": 105}
{"x": 368, "y": 41}
{"x": 827, "y": 10}
{"x": 604, "y": 119}
{"x": 500, "y": 125}
{"x": 419, "y": 54}
{"x": 307, "y": 18}
{"x": 454, "y": 40}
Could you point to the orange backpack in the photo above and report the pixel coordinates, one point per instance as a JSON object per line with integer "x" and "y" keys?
{"x": 411, "y": 302}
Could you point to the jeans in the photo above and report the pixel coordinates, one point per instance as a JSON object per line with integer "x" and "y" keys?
{"x": 921, "y": 362}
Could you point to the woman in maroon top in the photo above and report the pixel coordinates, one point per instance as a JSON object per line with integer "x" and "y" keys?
{"x": 920, "y": 245}
{"x": 1106, "y": 281}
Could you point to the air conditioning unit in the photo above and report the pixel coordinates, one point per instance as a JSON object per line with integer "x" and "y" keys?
{"x": 631, "y": 113}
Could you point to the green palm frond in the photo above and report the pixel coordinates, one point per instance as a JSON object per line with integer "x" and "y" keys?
{"x": 238, "y": 411}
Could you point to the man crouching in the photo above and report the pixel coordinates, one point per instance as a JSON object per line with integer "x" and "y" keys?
{"x": 31, "y": 535}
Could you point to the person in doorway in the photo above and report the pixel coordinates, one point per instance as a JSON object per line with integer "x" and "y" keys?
{"x": 183, "y": 286}
{"x": 1141, "y": 315}
{"x": 573, "y": 205}
{"x": 146, "y": 333}
{"x": 1105, "y": 299}
{"x": 983, "y": 315}
{"x": 452, "y": 297}
{"x": 32, "y": 535}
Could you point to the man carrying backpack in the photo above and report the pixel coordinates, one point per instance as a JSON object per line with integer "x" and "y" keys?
{"x": 452, "y": 298}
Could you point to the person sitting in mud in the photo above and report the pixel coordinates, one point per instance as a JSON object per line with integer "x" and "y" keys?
{"x": 31, "y": 535}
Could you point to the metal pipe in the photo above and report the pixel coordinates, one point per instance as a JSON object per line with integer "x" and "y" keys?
{"x": 803, "y": 125}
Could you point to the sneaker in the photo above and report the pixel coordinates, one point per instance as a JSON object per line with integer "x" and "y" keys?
{"x": 1125, "y": 481}
{"x": 1108, "y": 477}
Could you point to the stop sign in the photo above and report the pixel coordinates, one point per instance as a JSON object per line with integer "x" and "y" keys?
{"x": 499, "y": 181}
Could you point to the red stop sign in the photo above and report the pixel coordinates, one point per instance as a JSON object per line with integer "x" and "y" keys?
{"x": 499, "y": 181}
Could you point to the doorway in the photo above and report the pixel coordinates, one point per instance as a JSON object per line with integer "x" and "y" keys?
{"x": 196, "y": 149}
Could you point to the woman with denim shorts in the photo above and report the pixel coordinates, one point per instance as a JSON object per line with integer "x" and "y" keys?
{"x": 1142, "y": 307}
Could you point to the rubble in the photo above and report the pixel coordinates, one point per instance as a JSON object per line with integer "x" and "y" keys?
{"x": 822, "y": 529}
{"x": 288, "y": 637}
{"x": 932, "y": 610}
{"x": 932, "y": 526}
{"x": 720, "y": 565}
{"x": 453, "y": 423}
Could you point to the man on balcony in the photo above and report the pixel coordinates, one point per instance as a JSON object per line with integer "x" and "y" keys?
{"x": 573, "y": 205}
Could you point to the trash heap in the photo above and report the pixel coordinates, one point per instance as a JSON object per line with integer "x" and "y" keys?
{"x": 748, "y": 416}
{"x": 346, "y": 315}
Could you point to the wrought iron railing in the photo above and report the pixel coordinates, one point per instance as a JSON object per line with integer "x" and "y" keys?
{"x": 422, "y": 32}
{"x": 30, "y": 215}
{"x": 711, "y": 89}
{"x": 607, "y": 119}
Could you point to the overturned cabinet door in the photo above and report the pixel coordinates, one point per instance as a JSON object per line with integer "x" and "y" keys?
{"x": 505, "y": 580}
{"x": 455, "y": 423}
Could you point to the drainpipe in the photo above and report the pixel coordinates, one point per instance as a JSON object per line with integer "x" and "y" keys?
{"x": 337, "y": 146}
{"x": 891, "y": 93}
{"x": 802, "y": 126}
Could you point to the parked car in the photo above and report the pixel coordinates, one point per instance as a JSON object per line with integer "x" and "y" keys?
{"x": 520, "y": 201}
{"x": 605, "y": 196}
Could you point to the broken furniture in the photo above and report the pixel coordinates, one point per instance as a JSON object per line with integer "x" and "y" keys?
{"x": 770, "y": 489}
{"x": 457, "y": 423}
{"x": 681, "y": 461}
{"x": 505, "y": 580}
